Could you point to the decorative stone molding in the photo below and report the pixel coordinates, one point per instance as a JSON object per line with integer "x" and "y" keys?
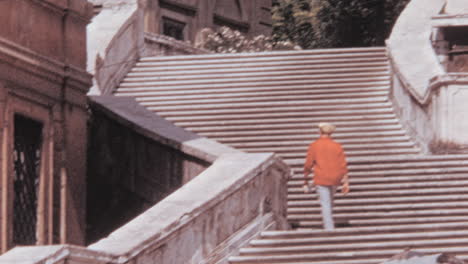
{"x": 59, "y": 254}
{"x": 156, "y": 44}
{"x": 410, "y": 48}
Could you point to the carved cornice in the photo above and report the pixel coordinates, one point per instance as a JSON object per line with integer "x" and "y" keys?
{"x": 46, "y": 68}
{"x": 63, "y": 7}
{"x": 224, "y": 20}
{"x": 178, "y": 7}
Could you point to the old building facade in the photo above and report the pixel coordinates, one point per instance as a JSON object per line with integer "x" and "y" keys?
{"x": 43, "y": 86}
{"x": 183, "y": 19}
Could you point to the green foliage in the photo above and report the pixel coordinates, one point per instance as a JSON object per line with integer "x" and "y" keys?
{"x": 226, "y": 40}
{"x": 293, "y": 21}
{"x": 335, "y": 23}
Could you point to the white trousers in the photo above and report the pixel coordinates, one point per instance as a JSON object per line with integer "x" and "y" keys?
{"x": 326, "y": 198}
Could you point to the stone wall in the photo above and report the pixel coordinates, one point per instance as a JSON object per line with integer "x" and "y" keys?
{"x": 128, "y": 172}
{"x": 429, "y": 101}
{"x": 43, "y": 78}
{"x": 115, "y": 42}
{"x": 250, "y": 17}
{"x": 205, "y": 221}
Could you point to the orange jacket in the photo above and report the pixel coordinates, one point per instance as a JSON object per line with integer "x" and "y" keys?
{"x": 328, "y": 160}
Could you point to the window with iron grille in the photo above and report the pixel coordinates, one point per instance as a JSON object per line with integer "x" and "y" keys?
{"x": 173, "y": 28}
{"x": 26, "y": 156}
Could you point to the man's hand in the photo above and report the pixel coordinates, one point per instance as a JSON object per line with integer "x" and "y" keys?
{"x": 345, "y": 182}
{"x": 306, "y": 188}
{"x": 345, "y": 188}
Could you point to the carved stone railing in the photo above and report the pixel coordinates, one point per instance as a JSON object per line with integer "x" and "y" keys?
{"x": 429, "y": 102}
{"x": 160, "y": 45}
{"x": 205, "y": 221}
{"x": 410, "y": 48}
{"x": 115, "y": 42}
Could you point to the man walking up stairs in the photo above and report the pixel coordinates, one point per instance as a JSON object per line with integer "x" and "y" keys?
{"x": 328, "y": 160}
{"x": 272, "y": 102}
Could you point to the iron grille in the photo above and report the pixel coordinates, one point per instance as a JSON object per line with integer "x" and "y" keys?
{"x": 27, "y": 156}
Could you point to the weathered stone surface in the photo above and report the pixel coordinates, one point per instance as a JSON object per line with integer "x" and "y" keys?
{"x": 455, "y": 7}
{"x": 129, "y": 171}
{"x": 411, "y": 50}
{"x": 428, "y": 100}
{"x": 115, "y": 41}
{"x": 414, "y": 257}
{"x": 42, "y": 72}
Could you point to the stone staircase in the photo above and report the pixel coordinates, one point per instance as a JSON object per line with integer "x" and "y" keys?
{"x": 272, "y": 102}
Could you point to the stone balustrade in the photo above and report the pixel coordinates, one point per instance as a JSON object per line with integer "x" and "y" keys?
{"x": 115, "y": 42}
{"x": 160, "y": 45}
{"x": 205, "y": 221}
{"x": 429, "y": 102}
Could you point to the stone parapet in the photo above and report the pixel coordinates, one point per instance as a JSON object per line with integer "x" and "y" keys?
{"x": 237, "y": 190}
{"x": 59, "y": 254}
{"x": 410, "y": 48}
{"x": 205, "y": 221}
{"x": 115, "y": 42}
{"x": 429, "y": 101}
{"x": 160, "y": 45}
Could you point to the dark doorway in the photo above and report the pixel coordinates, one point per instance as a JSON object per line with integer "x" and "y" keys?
{"x": 26, "y": 156}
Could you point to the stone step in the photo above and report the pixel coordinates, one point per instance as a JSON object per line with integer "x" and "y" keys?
{"x": 340, "y": 256}
{"x": 434, "y": 223}
{"x": 265, "y": 56}
{"x": 403, "y": 161}
{"x": 347, "y": 233}
{"x": 397, "y": 186}
{"x": 400, "y": 207}
{"x": 436, "y": 159}
{"x": 358, "y": 153}
{"x": 366, "y": 194}
{"x": 309, "y": 105}
{"x": 267, "y": 87}
{"x": 218, "y": 62}
{"x": 253, "y": 65}
{"x": 301, "y": 150}
{"x": 256, "y": 97}
{"x": 306, "y": 204}
{"x": 456, "y": 170}
{"x": 326, "y": 114}
{"x": 300, "y": 162}
{"x": 365, "y": 177}
{"x": 422, "y": 242}
{"x": 345, "y": 217}
{"x": 300, "y": 130}
{"x": 324, "y": 78}
{"x": 272, "y": 102}
{"x": 403, "y": 166}
{"x": 311, "y": 127}
{"x": 254, "y": 81}
{"x": 300, "y": 143}
{"x": 258, "y": 74}
{"x": 271, "y": 109}
{"x": 260, "y": 70}
{"x": 340, "y": 121}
